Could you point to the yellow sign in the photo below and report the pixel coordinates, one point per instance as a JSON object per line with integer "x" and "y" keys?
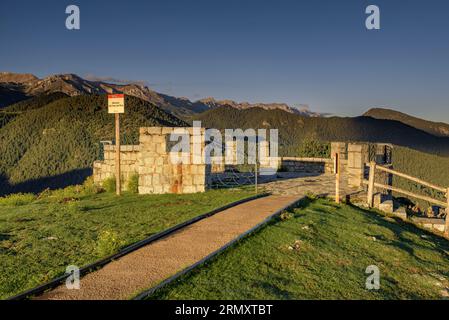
{"x": 116, "y": 103}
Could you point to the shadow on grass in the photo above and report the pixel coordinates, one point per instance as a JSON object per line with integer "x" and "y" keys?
{"x": 399, "y": 228}
{"x": 272, "y": 289}
{"x": 73, "y": 177}
{"x": 4, "y": 236}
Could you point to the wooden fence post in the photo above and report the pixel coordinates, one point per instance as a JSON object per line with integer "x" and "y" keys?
{"x": 337, "y": 177}
{"x": 118, "y": 175}
{"x": 372, "y": 169}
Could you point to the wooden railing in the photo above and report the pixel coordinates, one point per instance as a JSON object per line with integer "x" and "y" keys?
{"x": 372, "y": 184}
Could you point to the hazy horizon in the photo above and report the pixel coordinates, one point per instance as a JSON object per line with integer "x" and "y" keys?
{"x": 294, "y": 52}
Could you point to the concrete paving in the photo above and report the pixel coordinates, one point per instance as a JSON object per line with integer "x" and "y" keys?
{"x": 291, "y": 183}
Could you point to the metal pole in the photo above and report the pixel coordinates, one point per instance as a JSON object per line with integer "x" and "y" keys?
{"x": 256, "y": 168}
{"x": 118, "y": 187}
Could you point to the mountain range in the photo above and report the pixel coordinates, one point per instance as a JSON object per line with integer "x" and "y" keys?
{"x": 17, "y": 87}
{"x": 50, "y": 129}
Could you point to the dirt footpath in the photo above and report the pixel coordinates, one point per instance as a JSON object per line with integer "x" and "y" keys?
{"x": 149, "y": 265}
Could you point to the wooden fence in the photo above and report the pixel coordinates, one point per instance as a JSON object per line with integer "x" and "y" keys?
{"x": 372, "y": 184}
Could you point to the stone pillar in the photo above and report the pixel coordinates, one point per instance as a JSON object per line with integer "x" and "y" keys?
{"x": 357, "y": 157}
{"x": 158, "y": 174}
{"x": 268, "y": 165}
{"x": 339, "y": 147}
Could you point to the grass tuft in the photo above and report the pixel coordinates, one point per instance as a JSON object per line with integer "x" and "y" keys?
{"x": 108, "y": 242}
{"x": 109, "y": 184}
{"x": 133, "y": 183}
{"x": 18, "y": 199}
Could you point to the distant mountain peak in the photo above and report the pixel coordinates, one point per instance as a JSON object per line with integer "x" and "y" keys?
{"x": 303, "y": 110}
{"x": 436, "y": 128}
{"x": 18, "y": 78}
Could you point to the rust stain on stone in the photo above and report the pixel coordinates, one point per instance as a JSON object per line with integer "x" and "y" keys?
{"x": 177, "y": 186}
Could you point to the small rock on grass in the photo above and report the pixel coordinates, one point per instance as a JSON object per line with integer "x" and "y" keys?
{"x": 444, "y": 293}
{"x": 296, "y": 246}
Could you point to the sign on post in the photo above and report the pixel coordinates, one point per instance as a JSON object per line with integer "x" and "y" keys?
{"x": 116, "y": 105}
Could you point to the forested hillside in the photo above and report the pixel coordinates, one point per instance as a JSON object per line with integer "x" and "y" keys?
{"x": 435, "y": 128}
{"x": 427, "y": 167}
{"x": 55, "y": 144}
{"x": 9, "y": 113}
{"x": 294, "y": 128}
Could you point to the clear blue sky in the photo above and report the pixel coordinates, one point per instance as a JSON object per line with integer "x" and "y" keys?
{"x": 299, "y": 52}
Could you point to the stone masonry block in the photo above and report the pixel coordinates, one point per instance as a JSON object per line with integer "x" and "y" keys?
{"x": 187, "y": 180}
{"x": 188, "y": 189}
{"x": 199, "y": 179}
{"x": 154, "y": 130}
{"x": 158, "y": 189}
{"x": 386, "y": 206}
{"x": 167, "y": 130}
{"x": 161, "y": 148}
{"x": 167, "y": 169}
{"x": 158, "y": 139}
{"x": 352, "y": 147}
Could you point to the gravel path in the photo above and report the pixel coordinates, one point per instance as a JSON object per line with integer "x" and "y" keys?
{"x": 148, "y": 266}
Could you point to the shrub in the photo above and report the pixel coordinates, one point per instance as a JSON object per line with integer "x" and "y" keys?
{"x": 311, "y": 196}
{"x": 44, "y": 194}
{"x": 17, "y": 199}
{"x": 133, "y": 183}
{"x": 108, "y": 242}
{"x": 90, "y": 188}
{"x": 62, "y": 195}
{"x": 312, "y": 148}
{"x": 286, "y": 215}
{"x": 109, "y": 184}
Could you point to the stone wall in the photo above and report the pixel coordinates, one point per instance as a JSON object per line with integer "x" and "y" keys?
{"x": 308, "y": 165}
{"x": 105, "y": 169}
{"x": 152, "y": 161}
{"x": 430, "y": 223}
{"x": 157, "y": 171}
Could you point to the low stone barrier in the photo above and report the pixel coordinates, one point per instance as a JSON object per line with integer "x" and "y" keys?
{"x": 129, "y": 156}
{"x": 309, "y": 165}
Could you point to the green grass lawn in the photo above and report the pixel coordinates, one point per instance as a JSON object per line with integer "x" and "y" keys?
{"x": 321, "y": 251}
{"x": 40, "y": 237}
